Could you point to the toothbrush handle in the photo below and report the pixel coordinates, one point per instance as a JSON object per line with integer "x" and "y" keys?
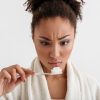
{"x": 37, "y": 74}
{"x": 43, "y": 74}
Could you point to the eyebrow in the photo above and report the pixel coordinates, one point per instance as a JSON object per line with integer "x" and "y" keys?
{"x": 50, "y": 40}
{"x": 63, "y": 37}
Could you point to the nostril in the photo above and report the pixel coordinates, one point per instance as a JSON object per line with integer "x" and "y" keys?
{"x": 54, "y": 54}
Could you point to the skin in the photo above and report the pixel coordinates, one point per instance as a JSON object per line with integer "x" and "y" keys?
{"x": 53, "y": 39}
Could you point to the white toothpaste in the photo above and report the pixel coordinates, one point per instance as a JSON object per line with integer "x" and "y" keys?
{"x": 56, "y": 70}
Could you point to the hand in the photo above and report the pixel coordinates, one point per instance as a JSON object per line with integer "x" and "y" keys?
{"x": 9, "y": 79}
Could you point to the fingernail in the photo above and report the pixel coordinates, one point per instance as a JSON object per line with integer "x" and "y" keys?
{"x": 24, "y": 79}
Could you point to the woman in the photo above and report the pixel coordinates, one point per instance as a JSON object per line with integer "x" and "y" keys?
{"x": 53, "y": 32}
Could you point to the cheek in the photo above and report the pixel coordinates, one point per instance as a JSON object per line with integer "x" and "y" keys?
{"x": 66, "y": 52}
{"x": 41, "y": 52}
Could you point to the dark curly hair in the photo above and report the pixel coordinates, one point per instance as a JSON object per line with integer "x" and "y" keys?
{"x": 42, "y": 9}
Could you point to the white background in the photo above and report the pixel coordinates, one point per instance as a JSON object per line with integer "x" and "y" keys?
{"x": 16, "y": 46}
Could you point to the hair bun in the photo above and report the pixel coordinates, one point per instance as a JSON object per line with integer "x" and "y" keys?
{"x": 33, "y": 5}
{"x": 76, "y": 6}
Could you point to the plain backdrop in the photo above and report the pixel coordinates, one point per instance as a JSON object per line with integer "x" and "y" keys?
{"x": 16, "y": 45}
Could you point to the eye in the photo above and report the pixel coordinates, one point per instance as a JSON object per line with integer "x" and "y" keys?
{"x": 65, "y": 42}
{"x": 45, "y": 43}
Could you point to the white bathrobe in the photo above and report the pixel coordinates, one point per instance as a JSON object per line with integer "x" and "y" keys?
{"x": 80, "y": 87}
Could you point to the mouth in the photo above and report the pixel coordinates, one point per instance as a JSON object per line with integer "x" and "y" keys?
{"x": 55, "y": 64}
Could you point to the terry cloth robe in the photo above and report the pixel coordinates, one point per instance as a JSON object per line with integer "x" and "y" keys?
{"x": 79, "y": 86}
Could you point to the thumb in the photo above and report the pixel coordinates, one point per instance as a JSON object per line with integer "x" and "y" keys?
{"x": 28, "y": 72}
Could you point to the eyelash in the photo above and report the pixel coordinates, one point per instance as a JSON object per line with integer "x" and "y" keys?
{"x": 62, "y": 43}
{"x": 44, "y": 43}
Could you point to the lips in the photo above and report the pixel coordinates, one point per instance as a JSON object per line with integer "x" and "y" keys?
{"x": 55, "y": 64}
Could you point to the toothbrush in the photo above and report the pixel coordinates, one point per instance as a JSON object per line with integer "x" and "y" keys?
{"x": 54, "y": 71}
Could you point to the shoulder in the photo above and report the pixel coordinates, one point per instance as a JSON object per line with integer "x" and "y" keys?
{"x": 91, "y": 82}
{"x": 84, "y": 77}
{"x": 88, "y": 84}
{"x": 91, "y": 85}
{"x": 86, "y": 81}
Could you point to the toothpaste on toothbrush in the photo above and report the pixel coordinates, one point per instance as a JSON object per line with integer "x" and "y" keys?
{"x": 56, "y": 70}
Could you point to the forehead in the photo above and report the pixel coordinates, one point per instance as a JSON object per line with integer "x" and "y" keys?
{"x": 54, "y": 27}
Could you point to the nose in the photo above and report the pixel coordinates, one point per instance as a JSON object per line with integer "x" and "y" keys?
{"x": 55, "y": 51}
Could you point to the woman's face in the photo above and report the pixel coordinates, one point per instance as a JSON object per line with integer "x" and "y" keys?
{"x": 53, "y": 39}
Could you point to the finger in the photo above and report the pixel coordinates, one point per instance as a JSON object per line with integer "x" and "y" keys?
{"x": 21, "y": 72}
{"x": 18, "y": 81}
{"x": 28, "y": 71}
{"x": 6, "y": 75}
{"x": 13, "y": 74}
